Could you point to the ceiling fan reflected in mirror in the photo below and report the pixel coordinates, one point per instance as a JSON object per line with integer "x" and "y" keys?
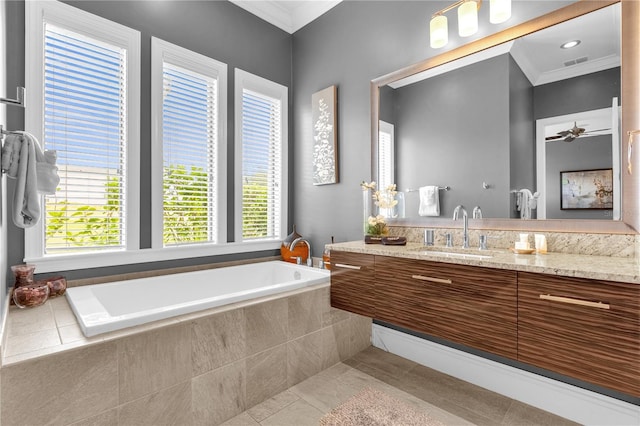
{"x": 573, "y": 133}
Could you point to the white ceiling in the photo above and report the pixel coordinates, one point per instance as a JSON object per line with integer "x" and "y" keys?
{"x": 288, "y": 15}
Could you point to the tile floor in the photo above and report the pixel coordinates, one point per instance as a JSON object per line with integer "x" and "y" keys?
{"x": 450, "y": 400}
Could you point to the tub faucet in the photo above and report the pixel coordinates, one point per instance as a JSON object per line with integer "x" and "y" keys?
{"x": 295, "y": 242}
{"x": 465, "y": 218}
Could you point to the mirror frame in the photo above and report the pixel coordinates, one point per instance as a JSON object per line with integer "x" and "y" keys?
{"x": 630, "y": 94}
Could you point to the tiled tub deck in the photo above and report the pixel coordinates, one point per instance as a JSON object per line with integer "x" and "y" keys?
{"x": 201, "y": 368}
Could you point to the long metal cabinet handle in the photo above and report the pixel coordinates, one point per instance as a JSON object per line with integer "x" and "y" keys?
{"x": 571, "y": 301}
{"x": 431, "y": 279}
{"x": 342, "y": 265}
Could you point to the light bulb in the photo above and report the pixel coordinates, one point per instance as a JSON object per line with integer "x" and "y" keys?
{"x": 499, "y": 11}
{"x": 467, "y": 18}
{"x": 439, "y": 31}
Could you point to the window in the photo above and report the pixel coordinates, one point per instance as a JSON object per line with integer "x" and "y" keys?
{"x": 385, "y": 155}
{"x": 189, "y": 147}
{"x": 261, "y": 158}
{"x": 82, "y": 74}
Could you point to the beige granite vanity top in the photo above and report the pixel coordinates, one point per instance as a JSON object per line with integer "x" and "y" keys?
{"x": 569, "y": 265}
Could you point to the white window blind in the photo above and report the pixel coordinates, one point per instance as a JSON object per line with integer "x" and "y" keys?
{"x": 261, "y": 166}
{"x": 85, "y": 122}
{"x": 189, "y": 134}
{"x": 385, "y": 155}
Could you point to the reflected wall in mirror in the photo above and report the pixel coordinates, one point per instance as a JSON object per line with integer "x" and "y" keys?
{"x": 470, "y": 124}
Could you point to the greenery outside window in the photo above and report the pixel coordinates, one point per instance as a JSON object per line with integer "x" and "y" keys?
{"x": 82, "y": 74}
{"x": 261, "y": 158}
{"x": 189, "y": 147}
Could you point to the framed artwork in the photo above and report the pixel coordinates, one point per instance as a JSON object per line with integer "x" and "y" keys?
{"x": 325, "y": 136}
{"x": 586, "y": 189}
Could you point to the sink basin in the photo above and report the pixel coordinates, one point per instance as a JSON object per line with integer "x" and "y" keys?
{"x": 456, "y": 255}
{"x": 455, "y": 252}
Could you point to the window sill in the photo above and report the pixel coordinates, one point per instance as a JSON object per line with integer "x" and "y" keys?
{"x": 123, "y": 257}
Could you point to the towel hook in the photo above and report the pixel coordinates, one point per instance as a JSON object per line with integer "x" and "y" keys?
{"x": 19, "y": 101}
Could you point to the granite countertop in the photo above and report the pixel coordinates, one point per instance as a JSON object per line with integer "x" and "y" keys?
{"x": 569, "y": 265}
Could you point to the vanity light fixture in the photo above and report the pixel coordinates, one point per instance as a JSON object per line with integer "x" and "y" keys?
{"x": 439, "y": 31}
{"x": 570, "y": 44}
{"x": 500, "y": 11}
{"x": 468, "y": 18}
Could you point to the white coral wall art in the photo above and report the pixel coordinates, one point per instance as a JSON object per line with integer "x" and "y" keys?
{"x": 325, "y": 155}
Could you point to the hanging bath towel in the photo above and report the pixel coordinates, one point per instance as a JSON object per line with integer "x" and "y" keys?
{"x": 429, "y": 201}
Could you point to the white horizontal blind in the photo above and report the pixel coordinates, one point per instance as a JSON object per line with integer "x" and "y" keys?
{"x": 261, "y": 166}
{"x": 385, "y": 155}
{"x": 189, "y": 133}
{"x": 85, "y": 122}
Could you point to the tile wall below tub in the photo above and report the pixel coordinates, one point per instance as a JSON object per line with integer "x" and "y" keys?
{"x": 202, "y": 371}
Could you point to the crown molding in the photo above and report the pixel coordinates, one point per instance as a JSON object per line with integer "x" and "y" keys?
{"x": 289, "y": 16}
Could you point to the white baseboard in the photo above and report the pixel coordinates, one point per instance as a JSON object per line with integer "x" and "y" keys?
{"x": 565, "y": 400}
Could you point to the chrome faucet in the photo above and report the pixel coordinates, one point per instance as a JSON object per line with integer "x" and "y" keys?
{"x": 477, "y": 213}
{"x": 465, "y": 217}
{"x": 295, "y": 242}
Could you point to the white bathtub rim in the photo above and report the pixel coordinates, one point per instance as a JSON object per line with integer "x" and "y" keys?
{"x": 100, "y": 322}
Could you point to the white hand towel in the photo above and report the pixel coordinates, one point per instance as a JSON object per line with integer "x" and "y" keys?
{"x": 11, "y": 154}
{"x": 26, "y": 200}
{"x": 429, "y": 201}
{"x": 47, "y": 171}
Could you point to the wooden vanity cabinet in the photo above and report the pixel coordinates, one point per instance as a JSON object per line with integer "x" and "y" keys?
{"x": 473, "y": 306}
{"x": 586, "y": 329}
{"x": 352, "y": 282}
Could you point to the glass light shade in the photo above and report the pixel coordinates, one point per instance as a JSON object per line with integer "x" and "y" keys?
{"x": 439, "y": 31}
{"x": 499, "y": 11}
{"x": 467, "y": 18}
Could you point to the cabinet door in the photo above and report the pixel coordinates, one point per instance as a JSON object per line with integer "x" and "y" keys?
{"x": 581, "y": 328}
{"x": 473, "y": 306}
{"x": 352, "y": 282}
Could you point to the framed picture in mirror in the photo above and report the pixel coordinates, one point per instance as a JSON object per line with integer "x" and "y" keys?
{"x": 586, "y": 189}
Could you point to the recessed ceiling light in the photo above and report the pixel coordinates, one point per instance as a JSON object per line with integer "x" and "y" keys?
{"x": 570, "y": 44}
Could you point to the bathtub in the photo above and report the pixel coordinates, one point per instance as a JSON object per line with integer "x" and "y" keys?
{"x": 101, "y": 308}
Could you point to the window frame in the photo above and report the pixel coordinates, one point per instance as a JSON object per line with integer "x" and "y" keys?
{"x": 92, "y": 26}
{"x": 161, "y": 52}
{"x": 246, "y": 80}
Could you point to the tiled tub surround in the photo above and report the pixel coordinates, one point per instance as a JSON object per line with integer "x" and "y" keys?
{"x": 615, "y": 245}
{"x": 199, "y": 368}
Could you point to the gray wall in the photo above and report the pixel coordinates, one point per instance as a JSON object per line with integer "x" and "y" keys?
{"x": 350, "y": 45}
{"x": 584, "y": 93}
{"x": 217, "y": 29}
{"x": 453, "y": 130}
{"x": 522, "y": 148}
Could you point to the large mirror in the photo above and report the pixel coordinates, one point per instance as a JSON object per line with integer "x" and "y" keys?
{"x": 520, "y": 127}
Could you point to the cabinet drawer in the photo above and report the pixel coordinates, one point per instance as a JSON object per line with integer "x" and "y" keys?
{"x": 586, "y": 329}
{"x": 470, "y": 305}
{"x": 352, "y": 284}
